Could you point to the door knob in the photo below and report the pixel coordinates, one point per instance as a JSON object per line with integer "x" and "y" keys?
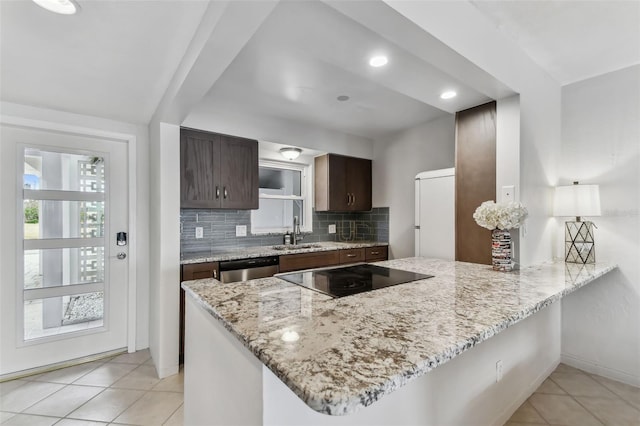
{"x": 121, "y": 255}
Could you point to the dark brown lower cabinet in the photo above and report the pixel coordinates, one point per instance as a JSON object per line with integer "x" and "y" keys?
{"x": 195, "y": 271}
{"x": 296, "y": 262}
{"x": 376, "y": 254}
{"x": 352, "y": 255}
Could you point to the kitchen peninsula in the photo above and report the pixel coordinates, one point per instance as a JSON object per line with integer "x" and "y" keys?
{"x": 258, "y": 351}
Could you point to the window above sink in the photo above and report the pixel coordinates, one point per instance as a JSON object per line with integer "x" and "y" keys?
{"x": 285, "y": 192}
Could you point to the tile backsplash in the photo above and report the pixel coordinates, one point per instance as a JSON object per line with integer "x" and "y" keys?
{"x": 219, "y": 228}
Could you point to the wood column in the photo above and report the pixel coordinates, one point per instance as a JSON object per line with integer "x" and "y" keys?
{"x": 475, "y": 179}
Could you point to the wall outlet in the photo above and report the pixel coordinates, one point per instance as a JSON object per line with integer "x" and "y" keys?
{"x": 332, "y": 228}
{"x": 508, "y": 194}
{"x": 499, "y": 370}
{"x": 199, "y": 232}
{"x": 241, "y": 230}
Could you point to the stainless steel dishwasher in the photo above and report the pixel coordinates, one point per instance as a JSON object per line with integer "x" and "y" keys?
{"x": 248, "y": 269}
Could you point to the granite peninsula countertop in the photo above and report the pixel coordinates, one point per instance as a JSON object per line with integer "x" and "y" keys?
{"x": 263, "y": 251}
{"x": 351, "y": 351}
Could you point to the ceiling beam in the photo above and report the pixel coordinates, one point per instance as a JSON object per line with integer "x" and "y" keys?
{"x": 225, "y": 28}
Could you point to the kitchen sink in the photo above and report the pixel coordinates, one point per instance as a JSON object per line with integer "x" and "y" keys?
{"x": 296, "y": 246}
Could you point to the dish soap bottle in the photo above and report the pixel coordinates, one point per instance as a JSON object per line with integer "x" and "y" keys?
{"x": 287, "y": 239}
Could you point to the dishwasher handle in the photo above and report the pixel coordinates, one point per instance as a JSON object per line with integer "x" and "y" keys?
{"x": 257, "y": 262}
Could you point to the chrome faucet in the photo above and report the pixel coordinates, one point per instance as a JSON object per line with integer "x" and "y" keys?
{"x": 297, "y": 235}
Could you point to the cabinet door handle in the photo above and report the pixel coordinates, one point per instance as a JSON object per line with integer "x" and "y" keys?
{"x": 215, "y": 274}
{"x": 217, "y": 192}
{"x": 375, "y": 252}
{"x": 225, "y": 194}
{"x": 351, "y": 255}
{"x": 354, "y": 199}
{"x": 348, "y": 199}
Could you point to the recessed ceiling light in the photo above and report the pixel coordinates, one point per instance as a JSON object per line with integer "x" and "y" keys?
{"x": 378, "y": 61}
{"x": 343, "y": 98}
{"x": 63, "y": 7}
{"x": 448, "y": 95}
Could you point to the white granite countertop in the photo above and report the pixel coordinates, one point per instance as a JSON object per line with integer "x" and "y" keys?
{"x": 353, "y": 350}
{"x": 263, "y": 251}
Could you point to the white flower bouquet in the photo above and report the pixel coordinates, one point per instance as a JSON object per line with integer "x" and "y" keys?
{"x": 504, "y": 216}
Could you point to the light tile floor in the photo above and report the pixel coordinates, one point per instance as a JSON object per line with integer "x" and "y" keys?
{"x": 125, "y": 390}
{"x": 121, "y": 390}
{"x": 572, "y": 397}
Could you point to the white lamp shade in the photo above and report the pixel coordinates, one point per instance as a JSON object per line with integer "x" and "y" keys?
{"x": 63, "y": 7}
{"x": 577, "y": 200}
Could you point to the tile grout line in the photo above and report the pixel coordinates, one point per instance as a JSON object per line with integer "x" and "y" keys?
{"x": 536, "y": 410}
{"x": 174, "y": 411}
{"x": 587, "y": 410}
{"x": 104, "y": 388}
{"x": 108, "y": 422}
{"x": 578, "y": 402}
{"x": 622, "y": 397}
{"x": 43, "y": 398}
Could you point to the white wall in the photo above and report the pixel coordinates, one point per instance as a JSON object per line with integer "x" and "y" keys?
{"x": 164, "y": 154}
{"x": 508, "y": 155}
{"x": 397, "y": 159}
{"x": 280, "y": 131}
{"x": 601, "y": 145}
{"x": 463, "y": 28}
{"x": 142, "y": 177}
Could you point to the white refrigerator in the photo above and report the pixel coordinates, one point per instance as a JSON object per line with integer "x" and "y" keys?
{"x": 435, "y": 214}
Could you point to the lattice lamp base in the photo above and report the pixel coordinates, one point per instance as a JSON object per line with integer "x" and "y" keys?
{"x": 579, "y": 246}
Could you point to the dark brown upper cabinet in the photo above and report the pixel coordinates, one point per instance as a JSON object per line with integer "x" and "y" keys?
{"x": 342, "y": 183}
{"x": 218, "y": 171}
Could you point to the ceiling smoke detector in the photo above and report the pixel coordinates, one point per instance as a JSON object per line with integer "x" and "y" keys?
{"x": 290, "y": 153}
{"x": 62, "y": 7}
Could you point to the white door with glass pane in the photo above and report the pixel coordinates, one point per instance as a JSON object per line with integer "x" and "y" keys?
{"x": 66, "y": 291}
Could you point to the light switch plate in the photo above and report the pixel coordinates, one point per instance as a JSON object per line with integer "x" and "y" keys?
{"x": 199, "y": 232}
{"x": 508, "y": 194}
{"x": 332, "y": 229}
{"x": 241, "y": 230}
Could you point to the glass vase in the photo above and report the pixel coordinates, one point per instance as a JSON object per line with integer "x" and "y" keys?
{"x": 501, "y": 255}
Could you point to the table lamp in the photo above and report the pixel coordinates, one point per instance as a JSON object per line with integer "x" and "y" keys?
{"x": 578, "y": 200}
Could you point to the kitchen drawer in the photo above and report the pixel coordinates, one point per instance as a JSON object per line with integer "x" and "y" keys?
{"x": 375, "y": 254}
{"x": 198, "y": 271}
{"x": 352, "y": 255}
{"x": 296, "y": 262}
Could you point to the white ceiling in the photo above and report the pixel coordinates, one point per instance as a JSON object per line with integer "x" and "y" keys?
{"x": 306, "y": 54}
{"x": 571, "y": 40}
{"x": 114, "y": 59}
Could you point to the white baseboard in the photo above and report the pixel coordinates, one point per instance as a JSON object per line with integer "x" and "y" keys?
{"x": 600, "y": 370}
{"x": 524, "y": 395}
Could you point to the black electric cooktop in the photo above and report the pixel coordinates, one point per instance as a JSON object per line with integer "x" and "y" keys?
{"x": 348, "y": 280}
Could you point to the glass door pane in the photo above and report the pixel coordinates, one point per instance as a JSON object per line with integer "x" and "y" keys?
{"x": 64, "y": 211}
